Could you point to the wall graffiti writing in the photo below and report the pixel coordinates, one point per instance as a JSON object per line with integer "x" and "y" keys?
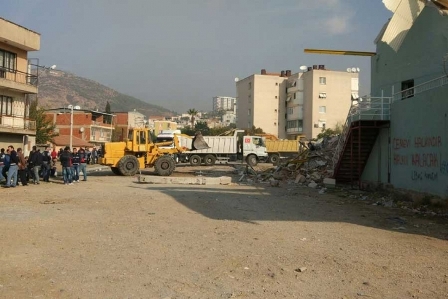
{"x": 400, "y": 159}
{"x": 423, "y": 175}
{"x": 425, "y": 160}
{"x": 432, "y": 141}
{"x": 444, "y": 167}
{"x": 399, "y": 143}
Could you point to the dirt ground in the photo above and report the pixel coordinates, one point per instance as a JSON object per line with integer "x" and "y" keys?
{"x": 111, "y": 237}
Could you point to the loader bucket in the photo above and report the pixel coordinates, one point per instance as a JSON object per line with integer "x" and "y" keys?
{"x": 199, "y": 142}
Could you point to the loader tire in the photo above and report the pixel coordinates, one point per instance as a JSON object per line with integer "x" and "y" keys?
{"x": 115, "y": 170}
{"x": 195, "y": 160}
{"x": 209, "y": 160}
{"x": 252, "y": 160}
{"x": 165, "y": 165}
{"x": 128, "y": 165}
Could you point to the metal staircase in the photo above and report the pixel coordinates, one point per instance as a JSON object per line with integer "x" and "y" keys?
{"x": 365, "y": 119}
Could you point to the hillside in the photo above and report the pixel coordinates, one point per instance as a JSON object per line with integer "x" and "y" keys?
{"x": 59, "y": 89}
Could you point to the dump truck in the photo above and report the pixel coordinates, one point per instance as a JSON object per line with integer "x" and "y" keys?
{"x": 139, "y": 152}
{"x": 250, "y": 149}
{"x": 281, "y": 148}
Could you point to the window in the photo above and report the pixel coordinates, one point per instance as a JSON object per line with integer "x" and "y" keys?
{"x": 322, "y": 109}
{"x": 294, "y": 96}
{"x": 6, "y": 105}
{"x": 276, "y": 97}
{"x": 276, "y": 84}
{"x": 7, "y": 61}
{"x": 322, "y": 95}
{"x": 322, "y": 124}
{"x": 250, "y": 85}
{"x": 322, "y": 80}
{"x": 248, "y": 112}
{"x": 407, "y": 89}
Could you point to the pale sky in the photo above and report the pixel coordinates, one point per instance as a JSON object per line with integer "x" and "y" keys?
{"x": 179, "y": 54}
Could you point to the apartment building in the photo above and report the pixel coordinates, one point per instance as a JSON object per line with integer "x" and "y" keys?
{"x": 261, "y": 102}
{"x": 125, "y": 121}
{"x": 87, "y": 125}
{"x": 224, "y": 103}
{"x": 319, "y": 98}
{"x": 290, "y": 105}
{"x": 17, "y": 85}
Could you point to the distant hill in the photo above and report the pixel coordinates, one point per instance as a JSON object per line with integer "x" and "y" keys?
{"x": 59, "y": 89}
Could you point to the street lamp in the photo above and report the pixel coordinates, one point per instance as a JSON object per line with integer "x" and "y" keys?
{"x": 71, "y": 107}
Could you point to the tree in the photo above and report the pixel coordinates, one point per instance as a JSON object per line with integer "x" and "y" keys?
{"x": 193, "y": 113}
{"x": 330, "y": 132}
{"x": 45, "y": 128}
{"x": 253, "y": 131}
{"x": 108, "y": 118}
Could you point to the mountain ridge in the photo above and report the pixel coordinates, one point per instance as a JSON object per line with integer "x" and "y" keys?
{"x": 60, "y": 88}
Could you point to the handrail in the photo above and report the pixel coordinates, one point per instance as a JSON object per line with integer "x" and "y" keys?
{"x": 431, "y": 84}
{"x": 18, "y": 76}
{"x": 365, "y": 108}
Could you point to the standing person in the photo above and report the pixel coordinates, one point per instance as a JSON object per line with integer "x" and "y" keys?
{"x": 75, "y": 165}
{"x": 46, "y": 164}
{"x": 94, "y": 155}
{"x": 65, "y": 159}
{"x": 36, "y": 160}
{"x": 13, "y": 166}
{"x": 82, "y": 163}
{"x": 2, "y": 163}
{"x": 88, "y": 154}
{"x": 22, "y": 167}
{"x": 54, "y": 154}
{"x": 6, "y": 164}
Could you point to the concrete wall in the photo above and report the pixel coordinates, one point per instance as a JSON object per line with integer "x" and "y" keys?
{"x": 418, "y": 149}
{"x": 19, "y": 36}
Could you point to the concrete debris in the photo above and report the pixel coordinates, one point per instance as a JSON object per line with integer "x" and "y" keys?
{"x": 301, "y": 269}
{"x": 312, "y": 185}
{"x": 274, "y": 183}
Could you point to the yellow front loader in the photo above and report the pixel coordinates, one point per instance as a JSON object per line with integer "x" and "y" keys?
{"x": 139, "y": 152}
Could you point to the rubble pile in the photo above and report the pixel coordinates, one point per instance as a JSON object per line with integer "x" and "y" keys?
{"x": 313, "y": 167}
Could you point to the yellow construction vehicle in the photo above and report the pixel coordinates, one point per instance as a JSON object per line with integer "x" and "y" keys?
{"x": 139, "y": 152}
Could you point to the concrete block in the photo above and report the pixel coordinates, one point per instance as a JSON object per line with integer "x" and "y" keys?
{"x": 329, "y": 183}
{"x": 184, "y": 180}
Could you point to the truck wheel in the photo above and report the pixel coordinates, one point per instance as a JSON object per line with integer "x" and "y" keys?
{"x": 128, "y": 165}
{"x": 274, "y": 159}
{"x": 165, "y": 165}
{"x": 195, "y": 160}
{"x": 209, "y": 160}
{"x": 115, "y": 170}
{"x": 252, "y": 160}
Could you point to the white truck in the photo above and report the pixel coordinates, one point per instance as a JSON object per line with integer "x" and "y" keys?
{"x": 250, "y": 149}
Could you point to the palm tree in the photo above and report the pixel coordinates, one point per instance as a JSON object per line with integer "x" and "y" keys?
{"x": 193, "y": 113}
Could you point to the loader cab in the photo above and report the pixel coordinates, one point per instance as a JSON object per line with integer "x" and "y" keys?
{"x": 138, "y": 140}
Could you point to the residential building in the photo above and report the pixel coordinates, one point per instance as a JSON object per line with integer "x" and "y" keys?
{"x": 125, "y": 121}
{"x": 88, "y": 125}
{"x": 399, "y": 135}
{"x": 17, "y": 85}
{"x": 159, "y": 125}
{"x": 291, "y": 105}
{"x": 224, "y": 103}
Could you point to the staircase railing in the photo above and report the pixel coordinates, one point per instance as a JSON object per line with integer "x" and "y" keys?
{"x": 365, "y": 108}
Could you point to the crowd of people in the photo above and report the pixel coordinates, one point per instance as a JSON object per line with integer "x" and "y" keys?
{"x": 40, "y": 166}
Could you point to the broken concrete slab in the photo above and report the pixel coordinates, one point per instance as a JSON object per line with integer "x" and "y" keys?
{"x": 329, "y": 183}
{"x": 149, "y": 179}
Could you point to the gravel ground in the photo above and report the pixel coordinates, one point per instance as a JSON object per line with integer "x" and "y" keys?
{"x": 111, "y": 237}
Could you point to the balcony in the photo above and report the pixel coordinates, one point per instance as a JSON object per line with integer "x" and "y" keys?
{"x": 14, "y": 124}
{"x": 18, "y": 81}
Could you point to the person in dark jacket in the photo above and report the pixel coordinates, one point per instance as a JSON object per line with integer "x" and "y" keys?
{"x": 65, "y": 159}
{"x": 2, "y": 163}
{"x": 76, "y": 159}
{"x": 36, "y": 160}
{"x": 13, "y": 167}
{"x": 6, "y": 162}
{"x": 46, "y": 164}
{"x": 22, "y": 167}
